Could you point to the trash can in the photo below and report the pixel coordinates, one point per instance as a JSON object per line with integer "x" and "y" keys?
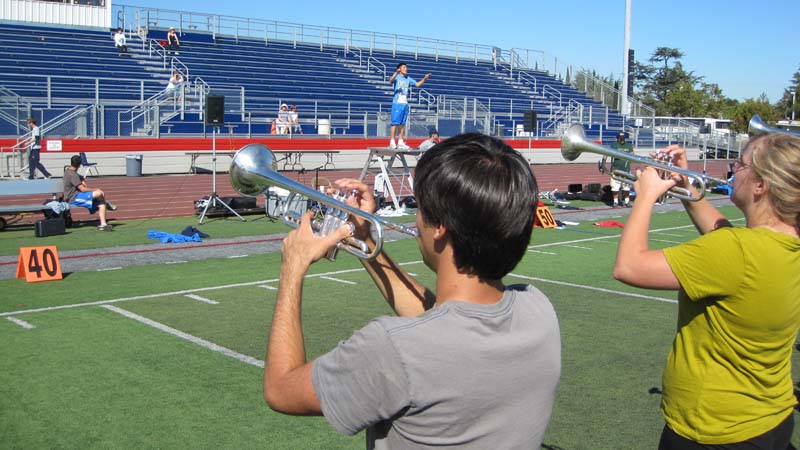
{"x": 133, "y": 165}
{"x": 324, "y": 126}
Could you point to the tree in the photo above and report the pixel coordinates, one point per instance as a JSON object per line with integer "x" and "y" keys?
{"x": 666, "y": 82}
{"x": 750, "y": 107}
{"x": 785, "y": 105}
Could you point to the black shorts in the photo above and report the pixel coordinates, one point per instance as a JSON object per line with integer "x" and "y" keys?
{"x": 777, "y": 438}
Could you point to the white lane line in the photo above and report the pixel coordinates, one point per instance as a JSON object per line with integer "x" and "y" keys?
{"x": 175, "y": 262}
{"x": 578, "y": 246}
{"x": 601, "y": 238}
{"x": 539, "y": 251}
{"x": 238, "y": 256}
{"x": 201, "y": 299}
{"x": 182, "y": 292}
{"x": 266, "y": 286}
{"x": 592, "y": 288}
{"x": 664, "y": 240}
{"x": 20, "y": 322}
{"x": 338, "y": 280}
{"x": 193, "y": 339}
{"x": 109, "y": 268}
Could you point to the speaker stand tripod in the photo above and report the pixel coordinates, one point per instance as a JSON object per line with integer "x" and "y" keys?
{"x": 213, "y": 199}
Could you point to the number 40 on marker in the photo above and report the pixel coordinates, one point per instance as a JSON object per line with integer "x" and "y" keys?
{"x": 38, "y": 264}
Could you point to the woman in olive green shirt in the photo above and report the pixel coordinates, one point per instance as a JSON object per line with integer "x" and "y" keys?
{"x": 727, "y": 380}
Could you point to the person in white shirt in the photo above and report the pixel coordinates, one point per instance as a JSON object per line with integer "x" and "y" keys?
{"x": 120, "y": 42}
{"x": 284, "y": 120}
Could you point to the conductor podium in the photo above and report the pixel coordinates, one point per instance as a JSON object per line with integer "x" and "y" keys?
{"x": 388, "y": 165}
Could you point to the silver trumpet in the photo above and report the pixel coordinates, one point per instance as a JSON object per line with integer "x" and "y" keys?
{"x": 253, "y": 172}
{"x": 757, "y": 127}
{"x": 574, "y": 142}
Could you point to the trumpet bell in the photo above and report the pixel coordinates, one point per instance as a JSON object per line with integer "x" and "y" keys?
{"x": 253, "y": 172}
{"x": 574, "y": 142}
{"x": 757, "y": 127}
{"x": 573, "y": 136}
{"x": 246, "y": 173}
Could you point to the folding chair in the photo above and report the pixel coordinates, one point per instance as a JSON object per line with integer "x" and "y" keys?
{"x": 88, "y": 165}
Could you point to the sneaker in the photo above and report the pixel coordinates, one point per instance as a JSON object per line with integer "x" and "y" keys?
{"x": 106, "y": 227}
{"x": 111, "y": 206}
{"x": 402, "y": 144}
{"x": 392, "y": 145}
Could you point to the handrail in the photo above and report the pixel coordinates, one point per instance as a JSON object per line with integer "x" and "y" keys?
{"x": 548, "y": 89}
{"x": 238, "y": 27}
{"x": 426, "y": 96}
{"x": 356, "y": 52}
{"x": 379, "y": 66}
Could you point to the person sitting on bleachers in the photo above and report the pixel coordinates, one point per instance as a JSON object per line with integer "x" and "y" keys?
{"x": 120, "y": 42}
{"x": 173, "y": 43}
{"x": 294, "y": 119}
{"x": 284, "y": 121}
{"x": 77, "y": 193}
{"x": 175, "y": 86}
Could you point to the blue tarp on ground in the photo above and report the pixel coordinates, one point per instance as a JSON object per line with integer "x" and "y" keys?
{"x": 165, "y": 237}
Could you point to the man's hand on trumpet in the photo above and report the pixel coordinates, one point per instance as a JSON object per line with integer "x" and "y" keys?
{"x": 301, "y": 247}
{"x": 362, "y": 199}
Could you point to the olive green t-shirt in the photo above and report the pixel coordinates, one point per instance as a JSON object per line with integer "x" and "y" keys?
{"x": 728, "y": 376}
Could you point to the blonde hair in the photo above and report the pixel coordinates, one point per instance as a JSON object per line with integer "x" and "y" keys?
{"x": 776, "y": 160}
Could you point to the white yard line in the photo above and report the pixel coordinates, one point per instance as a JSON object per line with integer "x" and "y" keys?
{"x": 193, "y": 339}
{"x": 664, "y": 240}
{"x": 201, "y": 299}
{"x": 592, "y": 288}
{"x": 338, "y": 280}
{"x": 182, "y": 292}
{"x": 266, "y": 286}
{"x": 539, "y": 251}
{"x": 579, "y": 247}
{"x": 20, "y": 322}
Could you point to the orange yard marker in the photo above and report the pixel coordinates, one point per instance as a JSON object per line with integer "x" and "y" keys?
{"x": 39, "y": 264}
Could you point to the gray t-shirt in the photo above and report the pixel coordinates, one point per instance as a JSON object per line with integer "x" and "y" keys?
{"x": 460, "y": 375}
{"x": 71, "y": 182}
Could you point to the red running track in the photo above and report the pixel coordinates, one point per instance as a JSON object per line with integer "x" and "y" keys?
{"x": 175, "y": 195}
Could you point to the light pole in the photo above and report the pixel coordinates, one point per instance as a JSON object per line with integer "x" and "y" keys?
{"x": 794, "y": 93}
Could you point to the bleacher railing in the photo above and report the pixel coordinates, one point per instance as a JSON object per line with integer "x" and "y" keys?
{"x": 14, "y": 109}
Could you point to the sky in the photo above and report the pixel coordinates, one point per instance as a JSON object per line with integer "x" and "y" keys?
{"x": 747, "y": 48}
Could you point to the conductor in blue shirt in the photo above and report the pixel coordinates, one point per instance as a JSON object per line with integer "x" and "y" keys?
{"x": 402, "y": 82}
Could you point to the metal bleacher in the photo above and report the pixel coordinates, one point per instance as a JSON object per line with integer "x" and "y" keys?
{"x": 51, "y": 69}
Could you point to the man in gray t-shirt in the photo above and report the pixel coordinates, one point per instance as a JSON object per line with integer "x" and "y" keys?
{"x": 475, "y": 366}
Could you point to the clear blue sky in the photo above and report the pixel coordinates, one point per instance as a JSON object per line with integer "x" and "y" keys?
{"x": 743, "y": 46}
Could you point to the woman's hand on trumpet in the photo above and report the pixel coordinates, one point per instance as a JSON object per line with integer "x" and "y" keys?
{"x": 649, "y": 186}
{"x": 676, "y": 156}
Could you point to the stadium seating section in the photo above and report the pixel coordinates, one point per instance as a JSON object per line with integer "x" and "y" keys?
{"x": 83, "y": 64}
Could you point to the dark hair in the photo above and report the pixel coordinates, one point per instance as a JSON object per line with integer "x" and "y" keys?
{"x": 485, "y": 194}
{"x": 75, "y": 161}
{"x": 400, "y": 64}
{"x": 32, "y": 120}
{"x": 432, "y": 132}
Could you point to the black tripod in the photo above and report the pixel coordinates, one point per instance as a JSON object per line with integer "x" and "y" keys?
{"x": 213, "y": 199}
